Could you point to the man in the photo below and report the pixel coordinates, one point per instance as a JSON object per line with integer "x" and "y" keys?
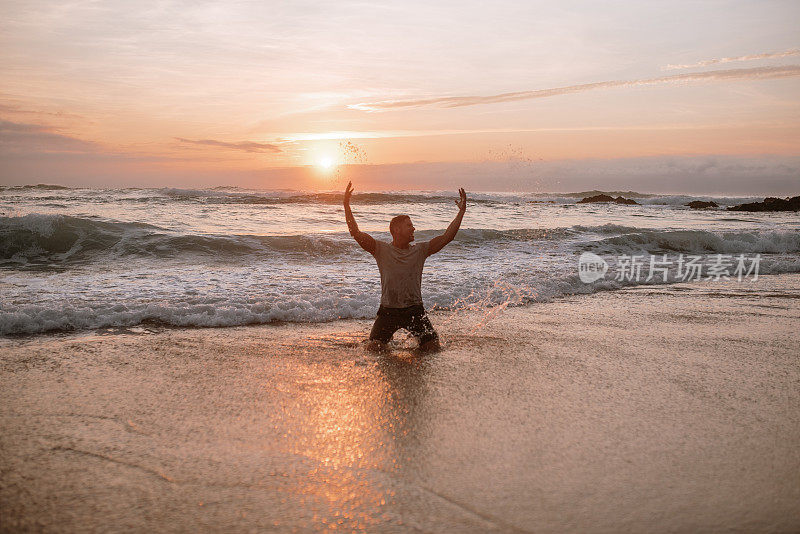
{"x": 400, "y": 264}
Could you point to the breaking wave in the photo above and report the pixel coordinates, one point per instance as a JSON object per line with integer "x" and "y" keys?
{"x": 233, "y": 307}
{"x": 60, "y": 239}
{"x": 63, "y": 238}
{"x": 699, "y": 242}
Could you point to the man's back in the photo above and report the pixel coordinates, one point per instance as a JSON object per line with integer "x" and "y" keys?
{"x": 401, "y": 273}
{"x": 400, "y": 263}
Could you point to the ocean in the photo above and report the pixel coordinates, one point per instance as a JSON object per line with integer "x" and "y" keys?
{"x": 75, "y": 259}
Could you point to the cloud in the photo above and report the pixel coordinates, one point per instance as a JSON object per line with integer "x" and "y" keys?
{"x": 25, "y": 138}
{"x": 461, "y": 101}
{"x": 752, "y": 57}
{"x": 9, "y": 107}
{"x": 246, "y": 146}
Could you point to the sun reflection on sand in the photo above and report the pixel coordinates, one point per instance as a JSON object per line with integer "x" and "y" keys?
{"x": 356, "y": 426}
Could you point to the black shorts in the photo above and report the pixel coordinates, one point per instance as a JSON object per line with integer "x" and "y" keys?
{"x": 413, "y": 319}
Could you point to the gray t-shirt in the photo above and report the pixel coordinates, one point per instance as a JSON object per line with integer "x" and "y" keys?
{"x": 401, "y": 273}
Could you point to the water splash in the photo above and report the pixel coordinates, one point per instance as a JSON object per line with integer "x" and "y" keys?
{"x": 516, "y": 161}
{"x": 350, "y": 154}
{"x": 490, "y": 302}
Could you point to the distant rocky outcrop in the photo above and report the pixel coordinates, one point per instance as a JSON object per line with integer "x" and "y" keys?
{"x": 596, "y": 192}
{"x": 701, "y": 204}
{"x": 607, "y": 198}
{"x": 770, "y": 204}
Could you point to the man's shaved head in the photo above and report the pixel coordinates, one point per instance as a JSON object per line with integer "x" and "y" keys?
{"x": 395, "y": 222}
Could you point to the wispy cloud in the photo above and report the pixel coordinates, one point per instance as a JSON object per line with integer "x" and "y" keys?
{"x": 245, "y": 146}
{"x": 9, "y": 108}
{"x": 18, "y": 137}
{"x": 461, "y": 101}
{"x": 395, "y": 134}
{"x": 751, "y": 57}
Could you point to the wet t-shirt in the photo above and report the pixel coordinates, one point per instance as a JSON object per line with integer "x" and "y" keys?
{"x": 401, "y": 273}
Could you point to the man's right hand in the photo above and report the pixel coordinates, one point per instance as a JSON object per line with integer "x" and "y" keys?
{"x": 347, "y": 193}
{"x": 365, "y": 240}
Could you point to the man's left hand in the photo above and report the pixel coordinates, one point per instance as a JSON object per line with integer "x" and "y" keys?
{"x": 462, "y": 204}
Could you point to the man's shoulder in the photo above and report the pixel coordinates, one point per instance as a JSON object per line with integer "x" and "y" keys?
{"x": 423, "y": 246}
{"x": 415, "y": 246}
{"x": 380, "y": 246}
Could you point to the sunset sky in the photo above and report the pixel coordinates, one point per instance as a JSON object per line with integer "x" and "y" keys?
{"x": 651, "y": 95}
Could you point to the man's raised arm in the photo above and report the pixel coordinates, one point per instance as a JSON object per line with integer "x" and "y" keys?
{"x": 365, "y": 240}
{"x": 438, "y": 242}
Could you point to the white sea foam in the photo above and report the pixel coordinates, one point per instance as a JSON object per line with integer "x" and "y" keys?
{"x": 699, "y": 241}
{"x": 185, "y": 301}
{"x": 73, "y": 259}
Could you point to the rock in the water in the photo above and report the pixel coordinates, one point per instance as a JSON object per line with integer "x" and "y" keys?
{"x": 701, "y": 204}
{"x": 770, "y": 204}
{"x": 596, "y": 198}
{"x": 607, "y": 198}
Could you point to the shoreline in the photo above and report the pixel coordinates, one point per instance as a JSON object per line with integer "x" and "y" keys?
{"x": 650, "y": 408}
{"x": 152, "y": 327}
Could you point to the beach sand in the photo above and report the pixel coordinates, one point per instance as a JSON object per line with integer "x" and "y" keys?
{"x": 651, "y": 409}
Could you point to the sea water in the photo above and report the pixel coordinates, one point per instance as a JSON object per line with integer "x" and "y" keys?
{"x": 82, "y": 259}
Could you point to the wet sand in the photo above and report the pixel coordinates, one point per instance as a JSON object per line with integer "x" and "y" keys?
{"x": 672, "y": 409}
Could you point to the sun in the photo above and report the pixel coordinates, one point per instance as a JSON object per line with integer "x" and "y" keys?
{"x": 326, "y": 163}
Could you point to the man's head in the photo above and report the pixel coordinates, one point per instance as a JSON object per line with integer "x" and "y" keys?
{"x": 402, "y": 229}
